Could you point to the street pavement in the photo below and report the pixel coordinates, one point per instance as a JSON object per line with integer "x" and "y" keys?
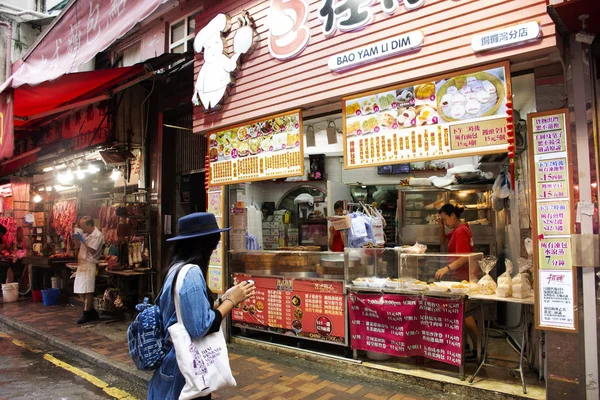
{"x": 98, "y": 353}
{"x": 31, "y": 370}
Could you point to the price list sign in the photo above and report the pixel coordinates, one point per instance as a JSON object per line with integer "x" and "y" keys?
{"x": 407, "y": 326}
{"x": 552, "y": 208}
{"x": 297, "y": 307}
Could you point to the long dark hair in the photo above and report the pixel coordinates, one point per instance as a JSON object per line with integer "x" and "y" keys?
{"x": 450, "y": 209}
{"x": 194, "y": 251}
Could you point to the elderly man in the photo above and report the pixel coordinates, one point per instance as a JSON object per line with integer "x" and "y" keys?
{"x": 85, "y": 278}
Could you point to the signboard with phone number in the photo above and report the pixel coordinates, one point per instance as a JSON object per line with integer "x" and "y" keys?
{"x": 310, "y": 309}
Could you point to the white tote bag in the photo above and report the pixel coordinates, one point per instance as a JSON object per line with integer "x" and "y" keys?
{"x": 204, "y": 362}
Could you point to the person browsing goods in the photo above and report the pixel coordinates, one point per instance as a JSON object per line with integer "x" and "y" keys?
{"x": 201, "y": 313}
{"x": 85, "y": 278}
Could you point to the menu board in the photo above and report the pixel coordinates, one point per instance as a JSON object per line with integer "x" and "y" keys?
{"x": 552, "y": 208}
{"x": 407, "y": 326}
{"x": 263, "y": 149}
{"x": 215, "y": 205}
{"x": 451, "y": 116}
{"x": 311, "y": 309}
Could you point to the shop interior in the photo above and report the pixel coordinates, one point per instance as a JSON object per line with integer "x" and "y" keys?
{"x": 292, "y": 213}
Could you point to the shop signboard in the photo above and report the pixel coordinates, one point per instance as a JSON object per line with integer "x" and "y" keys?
{"x": 310, "y": 309}
{"x": 508, "y": 36}
{"x": 263, "y": 149}
{"x": 450, "y": 116}
{"x": 555, "y": 292}
{"x": 407, "y": 326}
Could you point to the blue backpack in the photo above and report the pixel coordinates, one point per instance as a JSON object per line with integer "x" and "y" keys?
{"x": 147, "y": 341}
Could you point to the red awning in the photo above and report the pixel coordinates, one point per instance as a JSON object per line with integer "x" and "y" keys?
{"x": 31, "y": 102}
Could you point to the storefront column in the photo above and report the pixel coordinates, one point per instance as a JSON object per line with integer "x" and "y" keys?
{"x": 579, "y": 95}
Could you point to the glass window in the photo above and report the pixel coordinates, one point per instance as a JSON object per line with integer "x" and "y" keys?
{"x": 178, "y": 49}
{"x": 191, "y": 24}
{"x": 177, "y": 31}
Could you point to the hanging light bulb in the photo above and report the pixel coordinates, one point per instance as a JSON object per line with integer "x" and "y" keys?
{"x": 79, "y": 173}
{"x": 37, "y": 198}
{"x": 68, "y": 175}
{"x": 92, "y": 169}
{"x": 116, "y": 174}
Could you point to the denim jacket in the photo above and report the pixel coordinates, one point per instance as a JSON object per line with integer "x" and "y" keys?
{"x": 198, "y": 316}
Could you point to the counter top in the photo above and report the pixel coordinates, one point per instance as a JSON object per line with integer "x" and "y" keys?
{"x": 493, "y": 297}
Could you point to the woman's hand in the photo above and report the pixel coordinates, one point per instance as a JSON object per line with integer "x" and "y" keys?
{"x": 241, "y": 292}
{"x": 441, "y": 272}
{"x": 331, "y": 230}
{"x": 439, "y": 221}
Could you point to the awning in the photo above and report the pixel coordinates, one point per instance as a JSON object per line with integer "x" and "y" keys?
{"x": 83, "y": 29}
{"x": 567, "y": 16}
{"x": 32, "y": 102}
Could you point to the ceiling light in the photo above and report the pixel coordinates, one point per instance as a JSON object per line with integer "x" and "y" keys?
{"x": 79, "y": 173}
{"x": 116, "y": 174}
{"x": 48, "y": 169}
{"x": 92, "y": 169}
{"x": 37, "y": 198}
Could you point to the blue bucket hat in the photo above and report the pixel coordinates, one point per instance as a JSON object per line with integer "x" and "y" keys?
{"x": 196, "y": 225}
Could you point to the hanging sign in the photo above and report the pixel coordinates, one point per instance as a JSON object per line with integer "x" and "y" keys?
{"x": 260, "y": 150}
{"x": 509, "y": 36}
{"x": 376, "y": 51}
{"x": 553, "y": 223}
{"x": 450, "y": 116}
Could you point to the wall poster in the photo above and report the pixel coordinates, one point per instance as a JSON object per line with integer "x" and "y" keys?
{"x": 264, "y": 149}
{"x": 450, "y": 116}
{"x": 552, "y": 219}
{"x": 216, "y": 204}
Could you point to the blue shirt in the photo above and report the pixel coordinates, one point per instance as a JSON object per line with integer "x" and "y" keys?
{"x": 197, "y": 315}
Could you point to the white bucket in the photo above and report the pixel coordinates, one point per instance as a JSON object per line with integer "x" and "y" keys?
{"x": 10, "y": 292}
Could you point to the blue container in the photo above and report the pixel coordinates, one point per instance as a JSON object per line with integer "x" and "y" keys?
{"x": 50, "y": 297}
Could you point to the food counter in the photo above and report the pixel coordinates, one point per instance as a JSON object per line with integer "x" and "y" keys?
{"x": 298, "y": 293}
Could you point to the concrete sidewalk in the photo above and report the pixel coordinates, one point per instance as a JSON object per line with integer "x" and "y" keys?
{"x": 261, "y": 373}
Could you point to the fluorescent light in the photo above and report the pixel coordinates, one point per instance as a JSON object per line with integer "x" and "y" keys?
{"x": 61, "y": 188}
{"x": 48, "y": 169}
{"x": 116, "y": 174}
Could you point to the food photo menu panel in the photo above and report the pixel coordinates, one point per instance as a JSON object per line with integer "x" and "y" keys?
{"x": 407, "y": 326}
{"x": 263, "y": 149}
{"x": 453, "y": 116}
{"x": 294, "y": 307}
{"x": 553, "y": 225}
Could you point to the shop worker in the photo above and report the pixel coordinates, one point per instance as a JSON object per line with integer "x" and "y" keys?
{"x": 85, "y": 277}
{"x": 337, "y": 239}
{"x": 460, "y": 241}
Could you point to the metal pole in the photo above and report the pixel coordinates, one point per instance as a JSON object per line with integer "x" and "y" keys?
{"x": 579, "y": 102}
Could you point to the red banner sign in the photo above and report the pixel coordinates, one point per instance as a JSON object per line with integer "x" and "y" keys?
{"x": 311, "y": 309}
{"x": 83, "y": 30}
{"x": 407, "y": 326}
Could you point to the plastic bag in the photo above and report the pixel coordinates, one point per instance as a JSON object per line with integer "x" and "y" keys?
{"x": 521, "y": 283}
{"x": 417, "y": 248}
{"x": 486, "y": 285}
{"x": 505, "y": 281}
{"x": 501, "y": 187}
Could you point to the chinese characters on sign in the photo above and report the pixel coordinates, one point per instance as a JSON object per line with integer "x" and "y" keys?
{"x": 451, "y": 117}
{"x": 215, "y": 266}
{"x": 509, "y": 36}
{"x": 552, "y": 207}
{"x": 266, "y": 149}
{"x": 407, "y": 326}
{"x": 304, "y": 308}
{"x": 289, "y": 33}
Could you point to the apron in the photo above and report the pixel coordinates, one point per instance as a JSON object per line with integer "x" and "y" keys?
{"x": 85, "y": 278}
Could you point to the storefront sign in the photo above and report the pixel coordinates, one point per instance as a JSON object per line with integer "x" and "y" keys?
{"x": 264, "y": 149}
{"x": 376, "y": 51}
{"x": 553, "y": 223}
{"x": 289, "y": 32}
{"x": 297, "y": 307}
{"x": 509, "y": 36}
{"x": 407, "y": 326}
{"x": 452, "y": 116}
{"x": 216, "y": 74}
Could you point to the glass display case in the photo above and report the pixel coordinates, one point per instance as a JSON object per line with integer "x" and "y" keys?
{"x": 420, "y": 206}
{"x": 393, "y": 270}
{"x": 288, "y": 263}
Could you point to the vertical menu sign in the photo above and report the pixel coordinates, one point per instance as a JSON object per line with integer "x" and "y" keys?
{"x": 215, "y": 204}
{"x": 552, "y": 225}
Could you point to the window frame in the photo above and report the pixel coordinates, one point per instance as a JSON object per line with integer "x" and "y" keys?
{"x": 187, "y": 36}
